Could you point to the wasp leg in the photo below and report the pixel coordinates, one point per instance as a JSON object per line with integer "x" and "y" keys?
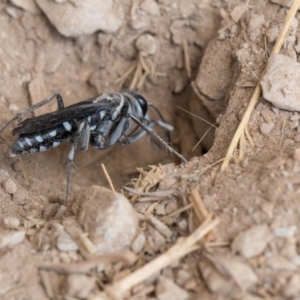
{"x": 78, "y": 139}
{"x": 136, "y": 136}
{"x": 20, "y": 115}
{"x": 155, "y": 135}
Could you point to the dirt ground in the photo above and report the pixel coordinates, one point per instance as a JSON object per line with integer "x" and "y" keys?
{"x": 198, "y": 62}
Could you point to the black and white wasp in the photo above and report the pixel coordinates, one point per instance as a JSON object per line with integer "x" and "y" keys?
{"x": 100, "y": 121}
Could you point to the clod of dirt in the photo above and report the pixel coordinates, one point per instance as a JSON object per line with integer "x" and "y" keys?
{"x": 266, "y": 128}
{"x": 83, "y": 17}
{"x": 166, "y": 289}
{"x": 106, "y": 216}
{"x": 252, "y": 242}
{"x": 280, "y": 83}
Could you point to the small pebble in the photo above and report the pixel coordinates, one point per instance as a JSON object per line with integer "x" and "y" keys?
{"x": 80, "y": 286}
{"x": 297, "y": 154}
{"x": 281, "y": 263}
{"x": 9, "y": 186}
{"x": 285, "y": 232}
{"x": 266, "y": 128}
{"x": 292, "y": 288}
{"x": 166, "y": 289}
{"x": 20, "y": 197}
{"x": 161, "y": 227}
{"x": 13, "y": 107}
{"x": 139, "y": 243}
{"x": 11, "y": 222}
{"x": 11, "y": 238}
{"x": 146, "y": 44}
{"x": 252, "y": 242}
{"x": 65, "y": 243}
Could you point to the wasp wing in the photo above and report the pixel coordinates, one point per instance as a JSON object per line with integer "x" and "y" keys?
{"x": 76, "y": 111}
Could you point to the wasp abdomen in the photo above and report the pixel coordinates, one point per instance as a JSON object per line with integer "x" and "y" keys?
{"x": 41, "y": 141}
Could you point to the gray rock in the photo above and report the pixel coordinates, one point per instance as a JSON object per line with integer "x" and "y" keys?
{"x": 107, "y": 217}
{"x": 83, "y": 17}
{"x": 280, "y": 83}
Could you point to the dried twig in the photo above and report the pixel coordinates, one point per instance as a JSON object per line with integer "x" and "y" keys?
{"x": 108, "y": 178}
{"x": 85, "y": 266}
{"x": 180, "y": 249}
{"x": 257, "y": 91}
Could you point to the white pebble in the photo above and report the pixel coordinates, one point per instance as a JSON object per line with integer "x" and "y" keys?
{"x": 11, "y": 222}
{"x": 9, "y": 186}
{"x": 65, "y": 243}
{"x": 285, "y": 232}
{"x": 11, "y": 238}
{"x": 266, "y": 128}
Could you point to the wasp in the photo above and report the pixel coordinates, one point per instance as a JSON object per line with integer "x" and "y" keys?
{"x": 100, "y": 121}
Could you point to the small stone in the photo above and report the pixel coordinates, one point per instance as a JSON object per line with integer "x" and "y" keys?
{"x": 13, "y": 107}
{"x": 66, "y": 243}
{"x": 9, "y": 186}
{"x": 146, "y": 44}
{"x": 252, "y": 242}
{"x": 279, "y": 262}
{"x": 139, "y": 243}
{"x": 11, "y": 238}
{"x": 297, "y": 154}
{"x": 280, "y": 83}
{"x": 107, "y": 217}
{"x": 28, "y": 5}
{"x": 158, "y": 239}
{"x": 292, "y": 289}
{"x": 11, "y": 222}
{"x": 11, "y": 11}
{"x": 266, "y": 128}
{"x": 20, "y": 197}
{"x": 161, "y": 227}
{"x": 80, "y": 286}
{"x": 150, "y": 7}
{"x": 182, "y": 277}
{"x": 84, "y": 18}
{"x": 285, "y": 232}
{"x": 166, "y": 289}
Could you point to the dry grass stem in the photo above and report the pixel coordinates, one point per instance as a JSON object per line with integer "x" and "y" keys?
{"x": 180, "y": 249}
{"x": 257, "y": 91}
{"x": 108, "y": 178}
{"x": 204, "y": 135}
{"x": 85, "y": 243}
{"x": 249, "y": 138}
{"x": 213, "y": 125}
{"x": 198, "y": 205}
{"x": 122, "y": 79}
{"x": 45, "y": 276}
{"x": 177, "y": 212}
{"x": 85, "y": 266}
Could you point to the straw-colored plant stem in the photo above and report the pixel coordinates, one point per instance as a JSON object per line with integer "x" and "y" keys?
{"x": 257, "y": 91}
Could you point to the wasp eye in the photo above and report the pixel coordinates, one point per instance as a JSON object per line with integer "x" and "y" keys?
{"x": 143, "y": 103}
